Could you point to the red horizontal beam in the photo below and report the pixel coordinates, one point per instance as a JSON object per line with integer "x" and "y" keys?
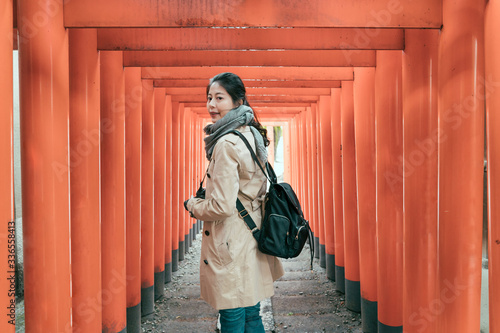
{"x": 251, "y": 99}
{"x": 157, "y": 39}
{"x": 255, "y": 104}
{"x": 267, "y": 73}
{"x": 269, "y": 118}
{"x": 277, "y": 109}
{"x": 251, "y": 83}
{"x": 255, "y": 91}
{"x": 305, "y": 58}
{"x": 270, "y": 13}
{"x": 274, "y": 117}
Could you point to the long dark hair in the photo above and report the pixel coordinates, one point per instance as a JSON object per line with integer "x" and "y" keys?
{"x": 236, "y": 89}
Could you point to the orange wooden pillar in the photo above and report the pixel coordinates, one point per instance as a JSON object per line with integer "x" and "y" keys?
{"x": 44, "y": 115}
{"x": 305, "y": 169}
{"x": 113, "y": 192}
{"x": 287, "y": 158}
{"x": 147, "y": 199}
{"x": 296, "y": 151}
{"x": 301, "y": 175}
{"x": 325, "y": 126}
{"x": 351, "y": 247}
{"x": 461, "y": 166}
{"x": 492, "y": 68}
{"x": 201, "y": 159}
{"x": 326, "y": 197}
{"x": 364, "y": 128}
{"x": 159, "y": 191}
{"x": 7, "y": 224}
{"x": 348, "y": 162}
{"x": 336, "y": 151}
{"x": 85, "y": 141}
{"x": 389, "y": 148}
{"x": 311, "y": 188}
{"x": 195, "y": 161}
{"x": 292, "y": 135}
{"x": 291, "y": 161}
{"x": 297, "y": 148}
{"x": 133, "y": 127}
{"x": 175, "y": 186}
{"x": 300, "y": 167}
{"x": 420, "y": 177}
{"x": 193, "y": 168}
{"x": 304, "y": 166}
{"x": 168, "y": 189}
{"x": 187, "y": 176}
{"x": 317, "y": 184}
{"x": 182, "y": 183}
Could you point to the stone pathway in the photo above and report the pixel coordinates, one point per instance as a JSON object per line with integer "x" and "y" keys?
{"x": 304, "y": 301}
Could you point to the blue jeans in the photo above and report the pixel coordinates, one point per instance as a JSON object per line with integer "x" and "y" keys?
{"x": 241, "y": 320}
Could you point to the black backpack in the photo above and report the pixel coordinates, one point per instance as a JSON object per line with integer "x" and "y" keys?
{"x": 284, "y": 230}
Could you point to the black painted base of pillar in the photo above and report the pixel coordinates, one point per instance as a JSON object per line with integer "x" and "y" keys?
{"x": 340, "y": 279}
{"x": 159, "y": 284}
{"x": 322, "y": 256}
{"x": 382, "y": 328}
{"x": 182, "y": 251}
{"x": 168, "y": 272}
{"x": 134, "y": 319}
{"x": 175, "y": 260}
{"x": 316, "y": 247}
{"x": 369, "y": 316}
{"x": 353, "y": 295}
{"x": 330, "y": 266}
{"x": 187, "y": 243}
{"x": 193, "y": 233}
{"x": 147, "y": 301}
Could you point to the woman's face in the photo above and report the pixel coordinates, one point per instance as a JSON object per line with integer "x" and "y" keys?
{"x": 219, "y": 102}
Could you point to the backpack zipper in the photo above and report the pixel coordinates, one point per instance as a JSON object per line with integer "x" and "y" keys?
{"x": 298, "y": 232}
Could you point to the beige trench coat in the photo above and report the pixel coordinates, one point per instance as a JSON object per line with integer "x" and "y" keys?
{"x": 233, "y": 272}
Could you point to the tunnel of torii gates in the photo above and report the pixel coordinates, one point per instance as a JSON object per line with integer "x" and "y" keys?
{"x": 383, "y": 104}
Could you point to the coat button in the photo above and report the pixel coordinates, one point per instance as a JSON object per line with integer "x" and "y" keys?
{"x": 208, "y": 175}
{"x": 205, "y": 261}
{"x": 207, "y": 232}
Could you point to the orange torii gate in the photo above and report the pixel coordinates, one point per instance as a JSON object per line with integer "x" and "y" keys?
{"x": 390, "y": 151}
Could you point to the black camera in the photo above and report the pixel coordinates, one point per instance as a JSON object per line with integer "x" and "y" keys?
{"x": 201, "y": 192}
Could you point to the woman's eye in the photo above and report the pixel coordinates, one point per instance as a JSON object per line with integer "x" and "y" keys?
{"x": 219, "y": 98}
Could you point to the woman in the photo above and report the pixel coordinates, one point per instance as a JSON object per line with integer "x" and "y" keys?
{"x": 234, "y": 275}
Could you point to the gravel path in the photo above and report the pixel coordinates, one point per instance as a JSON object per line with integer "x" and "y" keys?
{"x": 304, "y": 301}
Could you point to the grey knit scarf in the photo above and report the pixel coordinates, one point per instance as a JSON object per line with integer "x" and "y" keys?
{"x": 237, "y": 117}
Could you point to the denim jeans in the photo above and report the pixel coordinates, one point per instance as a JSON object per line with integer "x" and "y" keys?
{"x": 241, "y": 320}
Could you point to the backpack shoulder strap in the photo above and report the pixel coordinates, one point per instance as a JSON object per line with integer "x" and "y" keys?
{"x": 243, "y": 213}
{"x": 254, "y": 157}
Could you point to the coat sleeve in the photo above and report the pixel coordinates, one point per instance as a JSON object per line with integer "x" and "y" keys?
{"x": 225, "y": 182}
